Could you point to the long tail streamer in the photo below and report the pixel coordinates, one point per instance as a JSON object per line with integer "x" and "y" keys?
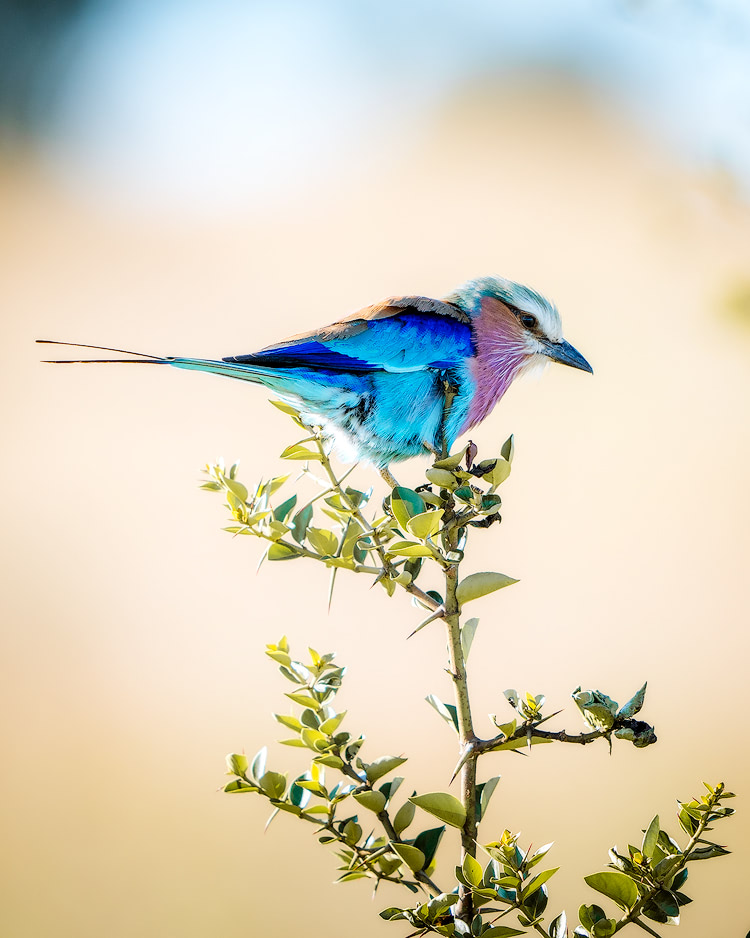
{"x": 143, "y": 358}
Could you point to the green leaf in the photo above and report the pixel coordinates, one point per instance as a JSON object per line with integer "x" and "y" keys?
{"x": 616, "y": 886}
{"x": 237, "y": 763}
{"x": 506, "y": 451}
{"x": 485, "y": 791}
{"x": 300, "y": 523}
{"x": 450, "y": 462}
{"x": 282, "y": 512}
{"x": 405, "y": 504}
{"x": 322, "y": 541}
{"x": 298, "y": 796}
{"x": 236, "y": 488}
{"x": 238, "y": 785}
{"x": 330, "y": 725}
{"x": 635, "y": 703}
{"x": 349, "y": 877}
{"x": 537, "y": 882}
{"x": 285, "y": 408}
{"x": 276, "y": 530}
{"x": 490, "y": 504}
{"x": 392, "y": 914}
{"x": 352, "y": 832}
{"x": 597, "y": 708}
{"x": 258, "y": 766}
{"x": 411, "y": 856}
{"x": 446, "y": 711}
{"x": 499, "y": 473}
{"x": 273, "y": 784}
{"x": 442, "y": 477}
{"x": 314, "y": 739}
{"x": 281, "y": 552}
{"x": 591, "y": 914}
{"x": 468, "y": 631}
{"x": 667, "y": 902}
{"x": 472, "y": 870}
{"x": 604, "y": 928}
{"x": 442, "y": 806}
{"x": 428, "y": 842}
{"x": 304, "y": 700}
{"x": 372, "y": 800}
{"x": 382, "y": 766}
{"x": 679, "y": 881}
{"x": 388, "y": 864}
{"x": 426, "y": 524}
{"x": 538, "y": 856}
{"x": 559, "y": 927}
{"x": 389, "y": 789}
{"x": 481, "y": 584}
{"x": 404, "y": 817}
{"x": 409, "y": 549}
{"x": 273, "y": 485}
{"x": 651, "y": 838}
{"x": 297, "y": 451}
{"x": 708, "y": 852}
{"x": 333, "y": 762}
{"x": 687, "y": 822}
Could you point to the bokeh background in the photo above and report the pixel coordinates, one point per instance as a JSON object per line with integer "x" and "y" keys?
{"x": 204, "y": 178}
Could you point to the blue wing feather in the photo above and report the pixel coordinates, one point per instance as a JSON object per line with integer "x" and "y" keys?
{"x": 406, "y": 341}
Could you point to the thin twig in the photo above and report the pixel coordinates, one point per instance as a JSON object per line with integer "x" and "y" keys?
{"x": 385, "y": 819}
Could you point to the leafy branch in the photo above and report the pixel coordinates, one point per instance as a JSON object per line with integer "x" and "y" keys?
{"x": 418, "y": 534}
{"x": 648, "y": 881}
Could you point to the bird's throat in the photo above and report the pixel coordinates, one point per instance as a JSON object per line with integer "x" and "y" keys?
{"x": 500, "y": 356}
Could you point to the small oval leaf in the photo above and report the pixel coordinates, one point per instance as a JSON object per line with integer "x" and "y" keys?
{"x": 481, "y": 584}
{"x": 409, "y": 549}
{"x": 472, "y": 870}
{"x": 405, "y": 504}
{"x": 442, "y": 477}
{"x": 650, "y": 838}
{"x": 442, "y": 806}
{"x": 382, "y": 766}
{"x": 372, "y": 800}
{"x": 411, "y": 856}
{"x": 404, "y": 817}
{"x": 426, "y": 524}
{"x": 616, "y": 886}
{"x": 281, "y": 552}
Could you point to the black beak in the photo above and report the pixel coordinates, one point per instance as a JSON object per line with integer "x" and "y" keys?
{"x": 564, "y": 353}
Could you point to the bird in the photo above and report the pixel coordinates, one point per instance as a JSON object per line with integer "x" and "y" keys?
{"x": 403, "y": 377}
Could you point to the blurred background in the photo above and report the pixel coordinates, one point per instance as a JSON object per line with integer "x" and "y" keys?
{"x": 204, "y": 178}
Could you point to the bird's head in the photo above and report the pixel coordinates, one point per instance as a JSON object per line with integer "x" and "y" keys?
{"x": 516, "y": 321}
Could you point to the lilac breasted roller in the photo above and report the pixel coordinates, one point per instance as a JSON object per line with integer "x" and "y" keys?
{"x": 399, "y": 378}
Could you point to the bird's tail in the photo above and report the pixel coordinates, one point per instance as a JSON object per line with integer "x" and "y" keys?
{"x": 244, "y": 372}
{"x": 141, "y": 358}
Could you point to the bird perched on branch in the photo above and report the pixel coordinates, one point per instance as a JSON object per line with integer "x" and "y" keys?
{"x": 405, "y": 376}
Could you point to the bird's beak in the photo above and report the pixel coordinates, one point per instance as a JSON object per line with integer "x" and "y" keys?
{"x": 564, "y": 353}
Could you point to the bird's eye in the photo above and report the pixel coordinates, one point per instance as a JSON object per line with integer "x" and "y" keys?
{"x": 528, "y": 321}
